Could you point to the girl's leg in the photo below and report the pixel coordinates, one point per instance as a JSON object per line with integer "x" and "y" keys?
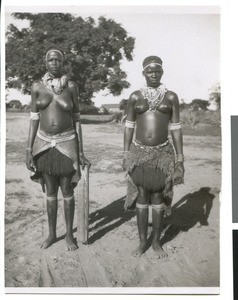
{"x": 52, "y": 186}
{"x": 69, "y": 207}
{"x": 158, "y": 221}
{"x": 142, "y": 205}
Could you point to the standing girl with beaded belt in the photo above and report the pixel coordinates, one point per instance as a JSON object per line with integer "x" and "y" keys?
{"x": 55, "y": 147}
{"x": 150, "y": 160}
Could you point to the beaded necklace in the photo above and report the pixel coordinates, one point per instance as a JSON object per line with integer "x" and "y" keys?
{"x": 53, "y": 84}
{"x": 154, "y": 96}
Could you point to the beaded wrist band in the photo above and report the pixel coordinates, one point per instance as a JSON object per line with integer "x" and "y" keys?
{"x": 179, "y": 158}
{"x": 125, "y": 153}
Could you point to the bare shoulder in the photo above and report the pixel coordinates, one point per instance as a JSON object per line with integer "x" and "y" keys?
{"x": 73, "y": 89}
{"x": 172, "y": 97}
{"x": 136, "y": 95}
{"x": 36, "y": 85}
{"x": 72, "y": 85}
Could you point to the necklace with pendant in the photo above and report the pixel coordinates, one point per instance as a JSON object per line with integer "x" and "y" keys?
{"x": 154, "y": 96}
{"x": 55, "y": 85}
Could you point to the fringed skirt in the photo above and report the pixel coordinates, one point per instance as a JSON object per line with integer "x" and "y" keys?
{"x": 56, "y": 155}
{"x": 152, "y": 168}
{"x": 53, "y": 162}
{"x": 149, "y": 178}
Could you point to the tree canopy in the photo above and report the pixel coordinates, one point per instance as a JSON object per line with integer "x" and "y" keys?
{"x": 93, "y": 51}
{"x": 199, "y": 104}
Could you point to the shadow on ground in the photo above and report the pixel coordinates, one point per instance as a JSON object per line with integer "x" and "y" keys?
{"x": 108, "y": 218}
{"x": 191, "y": 209}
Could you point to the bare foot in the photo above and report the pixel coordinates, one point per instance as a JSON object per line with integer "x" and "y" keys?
{"x": 48, "y": 242}
{"x": 139, "y": 250}
{"x": 159, "y": 251}
{"x": 71, "y": 246}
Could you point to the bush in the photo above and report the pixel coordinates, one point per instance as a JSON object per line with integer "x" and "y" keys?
{"x": 211, "y": 118}
{"x": 15, "y": 104}
{"x": 189, "y": 117}
{"x": 118, "y": 117}
{"x": 89, "y": 110}
{"x": 192, "y": 118}
{"x": 104, "y": 111}
{"x": 25, "y": 108}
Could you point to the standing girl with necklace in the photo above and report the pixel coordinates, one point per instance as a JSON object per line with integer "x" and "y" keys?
{"x": 55, "y": 147}
{"x": 150, "y": 160}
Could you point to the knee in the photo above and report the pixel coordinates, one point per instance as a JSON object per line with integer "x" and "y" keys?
{"x": 51, "y": 192}
{"x": 157, "y": 198}
{"x": 67, "y": 191}
{"x": 69, "y": 198}
{"x": 51, "y": 198}
{"x": 51, "y": 184}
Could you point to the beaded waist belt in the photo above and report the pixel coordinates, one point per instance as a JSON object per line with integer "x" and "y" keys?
{"x": 56, "y": 138}
{"x": 142, "y": 146}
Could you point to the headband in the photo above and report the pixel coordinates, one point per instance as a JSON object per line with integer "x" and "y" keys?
{"x": 155, "y": 63}
{"x": 54, "y": 50}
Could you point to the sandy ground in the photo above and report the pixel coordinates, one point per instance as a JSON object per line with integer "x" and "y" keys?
{"x": 190, "y": 236}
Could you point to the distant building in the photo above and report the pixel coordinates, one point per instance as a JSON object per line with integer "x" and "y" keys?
{"x": 112, "y": 108}
{"x": 119, "y": 109}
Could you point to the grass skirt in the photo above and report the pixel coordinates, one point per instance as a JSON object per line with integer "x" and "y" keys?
{"x": 53, "y": 162}
{"x": 152, "y": 168}
{"x": 149, "y": 178}
{"x": 56, "y": 155}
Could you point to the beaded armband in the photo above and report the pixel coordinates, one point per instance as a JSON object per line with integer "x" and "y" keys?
{"x": 76, "y": 117}
{"x": 130, "y": 124}
{"x": 34, "y": 116}
{"x": 175, "y": 126}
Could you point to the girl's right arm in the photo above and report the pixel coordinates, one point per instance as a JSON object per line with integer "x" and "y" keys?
{"x": 34, "y": 124}
{"x": 129, "y": 128}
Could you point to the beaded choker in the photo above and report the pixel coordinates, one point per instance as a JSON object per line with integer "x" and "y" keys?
{"x": 53, "y": 84}
{"x": 154, "y": 96}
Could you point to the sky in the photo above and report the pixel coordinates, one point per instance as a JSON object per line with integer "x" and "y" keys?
{"x": 187, "y": 40}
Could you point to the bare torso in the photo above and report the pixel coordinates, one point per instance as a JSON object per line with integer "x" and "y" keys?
{"x": 152, "y": 126}
{"x": 56, "y": 110}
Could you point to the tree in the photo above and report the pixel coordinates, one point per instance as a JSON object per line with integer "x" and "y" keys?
{"x": 183, "y": 105}
{"x": 215, "y": 94}
{"x": 15, "y": 104}
{"x": 93, "y": 51}
{"x": 190, "y": 117}
{"x": 199, "y": 104}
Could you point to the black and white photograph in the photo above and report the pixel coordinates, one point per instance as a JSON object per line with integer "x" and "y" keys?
{"x": 113, "y": 149}
{"x": 234, "y": 161}
{"x": 118, "y": 149}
